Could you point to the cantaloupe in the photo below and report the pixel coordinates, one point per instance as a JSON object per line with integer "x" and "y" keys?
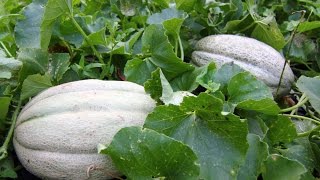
{"x": 57, "y": 132}
{"x": 260, "y": 59}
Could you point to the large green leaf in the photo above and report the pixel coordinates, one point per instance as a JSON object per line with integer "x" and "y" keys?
{"x": 311, "y": 86}
{"x": 34, "y": 84}
{"x": 278, "y": 167}
{"x": 35, "y": 61}
{"x": 219, "y": 141}
{"x": 224, "y": 75}
{"x": 53, "y": 10}
{"x": 146, "y": 154}
{"x": 35, "y": 30}
{"x": 266, "y": 106}
{"x": 281, "y": 129}
{"x": 27, "y": 30}
{"x": 257, "y": 153}
{"x": 139, "y": 71}
{"x": 301, "y": 150}
{"x": 270, "y": 34}
{"x": 245, "y": 86}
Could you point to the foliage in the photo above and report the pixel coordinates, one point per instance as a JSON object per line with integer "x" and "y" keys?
{"x": 209, "y": 123}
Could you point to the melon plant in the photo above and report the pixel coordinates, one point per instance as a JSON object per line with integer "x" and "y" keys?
{"x": 260, "y": 59}
{"x": 57, "y": 132}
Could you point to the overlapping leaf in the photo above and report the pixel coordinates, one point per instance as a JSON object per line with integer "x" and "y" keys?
{"x": 145, "y": 154}
{"x": 218, "y": 141}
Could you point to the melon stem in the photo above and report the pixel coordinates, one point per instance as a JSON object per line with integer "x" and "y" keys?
{"x": 4, "y": 147}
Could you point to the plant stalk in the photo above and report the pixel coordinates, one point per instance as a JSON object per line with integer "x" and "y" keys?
{"x": 303, "y": 117}
{"x": 289, "y": 49}
{"x": 96, "y": 53}
{"x": 5, "y": 49}
{"x": 301, "y": 102}
{"x": 181, "y": 48}
{"x": 4, "y": 147}
{"x": 304, "y": 134}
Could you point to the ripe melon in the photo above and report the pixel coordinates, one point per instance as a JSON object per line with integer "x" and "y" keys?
{"x": 57, "y": 132}
{"x": 260, "y": 59}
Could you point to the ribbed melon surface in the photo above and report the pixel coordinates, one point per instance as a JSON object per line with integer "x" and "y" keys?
{"x": 57, "y": 132}
{"x": 254, "y": 56}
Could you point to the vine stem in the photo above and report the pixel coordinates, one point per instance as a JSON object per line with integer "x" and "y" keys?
{"x": 4, "y": 147}
{"x": 304, "y": 134}
{"x": 289, "y": 49}
{"x": 302, "y": 117}
{"x": 301, "y": 102}
{"x": 96, "y": 53}
{"x": 181, "y": 48}
{"x": 5, "y": 49}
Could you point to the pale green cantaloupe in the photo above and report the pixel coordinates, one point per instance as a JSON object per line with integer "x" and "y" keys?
{"x": 57, "y": 132}
{"x": 260, "y": 59}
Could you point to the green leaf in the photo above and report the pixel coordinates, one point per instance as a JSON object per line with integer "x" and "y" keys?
{"x": 310, "y": 86}
{"x": 301, "y": 150}
{"x": 53, "y": 10}
{"x": 224, "y": 75}
{"x": 59, "y": 64}
{"x": 34, "y": 84}
{"x": 206, "y": 78}
{"x": 160, "y": 54}
{"x": 139, "y": 71}
{"x": 219, "y": 141}
{"x": 166, "y": 14}
{"x": 270, "y": 34}
{"x": 146, "y": 154}
{"x": 278, "y": 167}
{"x": 35, "y": 30}
{"x": 9, "y": 69}
{"x": 257, "y": 153}
{"x": 185, "y": 5}
{"x": 160, "y": 89}
{"x": 27, "y": 30}
{"x": 265, "y": 106}
{"x": 307, "y": 26}
{"x": 171, "y": 19}
{"x": 190, "y": 80}
{"x": 66, "y": 31}
{"x": 97, "y": 38}
{"x": 245, "y": 86}
{"x": 281, "y": 129}
{"x": 129, "y": 7}
{"x": 4, "y": 107}
{"x": 35, "y": 61}
{"x": 7, "y": 169}
{"x": 153, "y": 86}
